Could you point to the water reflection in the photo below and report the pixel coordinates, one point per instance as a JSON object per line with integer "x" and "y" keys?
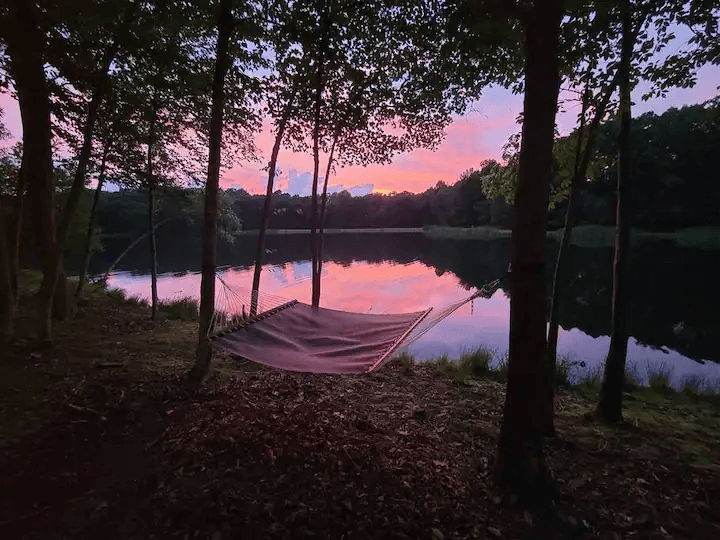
{"x": 673, "y": 314}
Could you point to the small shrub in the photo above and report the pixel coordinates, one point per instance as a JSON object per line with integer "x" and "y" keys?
{"x": 632, "y": 380}
{"x": 476, "y": 363}
{"x": 692, "y": 385}
{"x": 500, "y": 372}
{"x": 660, "y": 377}
{"x": 407, "y": 362}
{"x": 443, "y": 364}
{"x": 116, "y": 294}
{"x": 592, "y": 379}
{"x": 564, "y": 366}
{"x": 182, "y": 309}
{"x": 137, "y": 300}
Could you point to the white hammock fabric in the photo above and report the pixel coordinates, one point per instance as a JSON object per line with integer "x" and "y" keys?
{"x": 298, "y": 337}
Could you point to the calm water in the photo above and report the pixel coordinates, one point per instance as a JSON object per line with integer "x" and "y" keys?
{"x": 674, "y": 305}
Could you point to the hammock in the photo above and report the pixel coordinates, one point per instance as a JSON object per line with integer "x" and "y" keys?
{"x": 294, "y": 336}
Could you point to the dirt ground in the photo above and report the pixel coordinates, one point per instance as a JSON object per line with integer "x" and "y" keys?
{"x": 99, "y": 439}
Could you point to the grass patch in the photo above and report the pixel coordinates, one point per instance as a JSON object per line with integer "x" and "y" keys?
{"x": 116, "y": 294}
{"x": 632, "y": 381}
{"x": 180, "y": 309}
{"x": 137, "y": 300}
{"x": 476, "y": 363}
{"x": 698, "y": 238}
{"x": 407, "y": 362}
{"x": 500, "y": 372}
{"x": 692, "y": 385}
{"x": 660, "y": 377}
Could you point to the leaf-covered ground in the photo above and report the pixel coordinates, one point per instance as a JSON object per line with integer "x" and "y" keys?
{"x": 99, "y": 440}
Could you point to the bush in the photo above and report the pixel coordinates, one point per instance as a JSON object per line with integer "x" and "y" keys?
{"x": 182, "y": 309}
{"x": 116, "y": 294}
{"x": 476, "y": 363}
{"x": 592, "y": 379}
{"x": 137, "y": 300}
{"x": 660, "y": 376}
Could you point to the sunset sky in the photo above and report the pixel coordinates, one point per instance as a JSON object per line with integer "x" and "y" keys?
{"x": 471, "y": 138}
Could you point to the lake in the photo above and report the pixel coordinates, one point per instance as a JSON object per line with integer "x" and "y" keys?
{"x": 674, "y": 315}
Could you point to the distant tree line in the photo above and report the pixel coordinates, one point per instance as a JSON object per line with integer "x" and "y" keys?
{"x": 674, "y": 186}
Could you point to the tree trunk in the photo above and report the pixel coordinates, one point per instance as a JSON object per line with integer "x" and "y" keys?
{"x": 323, "y": 205}
{"x": 578, "y": 176}
{"x": 91, "y": 226}
{"x": 153, "y": 252}
{"x": 7, "y": 300}
{"x": 528, "y": 400}
{"x": 610, "y": 405}
{"x": 203, "y": 354}
{"x": 96, "y": 99}
{"x": 25, "y": 42}
{"x": 14, "y": 262}
{"x": 319, "y": 85}
{"x": 151, "y": 219}
{"x": 265, "y": 216}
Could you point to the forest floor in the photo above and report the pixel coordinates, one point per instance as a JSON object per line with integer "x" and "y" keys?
{"x": 99, "y": 439}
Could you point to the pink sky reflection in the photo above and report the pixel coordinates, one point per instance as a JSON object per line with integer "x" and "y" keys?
{"x": 404, "y": 288}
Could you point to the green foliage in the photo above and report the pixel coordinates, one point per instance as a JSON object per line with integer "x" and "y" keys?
{"x": 116, "y": 294}
{"x": 632, "y": 379}
{"x": 660, "y": 376}
{"x": 692, "y": 385}
{"x": 182, "y": 309}
{"x": 476, "y": 363}
{"x": 407, "y": 362}
{"x": 592, "y": 379}
{"x": 500, "y": 372}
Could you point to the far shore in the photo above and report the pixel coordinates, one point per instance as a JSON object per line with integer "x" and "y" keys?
{"x": 583, "y": 235}
{"x": 252, "y": 232}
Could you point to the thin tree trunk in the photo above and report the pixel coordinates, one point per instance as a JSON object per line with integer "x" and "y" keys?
{"x": 151, "y": 218}
{"x": 570, "y": 216}
{"x": 323, "y": 205}
{"x": 153, "y": 251}
{"x": 203, "y": 354}
{"x": 7, "y": 301}
{"x": 610, "y": 405}
{"x": 319, "y": 85}
{"x": 528, "y": 399}
{"x": 127, "y": 249}
{"x": 20, "y": 187}
{"x": 91, "y": 225}
{"x": 25, "y": 41}
{"x": 265, "y": 216}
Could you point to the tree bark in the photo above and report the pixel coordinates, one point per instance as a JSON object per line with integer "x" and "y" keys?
{"x": 323, "y": 205}
{"x": 203, "y": 354}
{"x": 25, "y": 44}
{"x": 319, "y": 86}
{"x": 151, "y": 219}
{"x": 20, "y": 187}
{"x": 96, "y": 98}
{"x": 609, "y": 408}
{"x": 91, "y": 225}
{"x": 265, "y": 216}
{"x": 528, "y": 399}
{"x": 570, "y": 216}
{"x": 7, "y": 300}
